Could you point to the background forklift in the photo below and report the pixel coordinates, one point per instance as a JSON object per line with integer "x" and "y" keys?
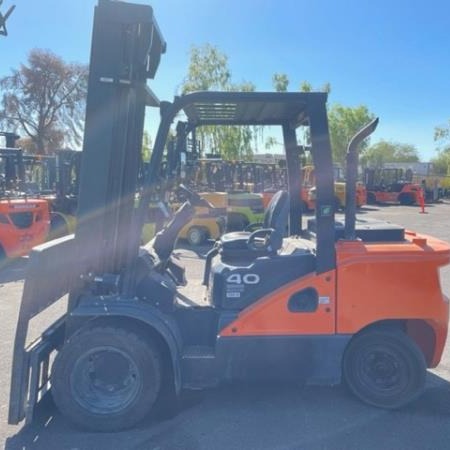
{"x": 391, "y": 186}
{"x": 361, "y": 301}
{"x": 24, "y": 220}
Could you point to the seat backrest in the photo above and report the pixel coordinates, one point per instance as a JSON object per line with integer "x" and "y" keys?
{"x": 277, "y": 212}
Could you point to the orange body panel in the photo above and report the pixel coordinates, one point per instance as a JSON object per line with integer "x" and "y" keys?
{"x": 270, "y": 315}
{"x": 373, "y": 282}
{"x": 379, "y": 281}
{"x": 392, "y": 197}
{"x": 19, "y": 234}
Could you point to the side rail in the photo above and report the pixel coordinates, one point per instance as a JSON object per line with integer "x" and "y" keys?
{"x": 51, "y": 270}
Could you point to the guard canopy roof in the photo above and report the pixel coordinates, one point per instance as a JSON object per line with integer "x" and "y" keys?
{"x": 249, "y": 108}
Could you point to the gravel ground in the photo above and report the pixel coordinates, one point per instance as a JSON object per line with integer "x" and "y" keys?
{"x": 251, "y": 416}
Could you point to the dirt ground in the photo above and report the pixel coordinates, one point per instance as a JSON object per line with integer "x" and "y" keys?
{"x": 251, "y": 416}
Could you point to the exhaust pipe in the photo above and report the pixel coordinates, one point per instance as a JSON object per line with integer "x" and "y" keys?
{"x": 351, "y": 177}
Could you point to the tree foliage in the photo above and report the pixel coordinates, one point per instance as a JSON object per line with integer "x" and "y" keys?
{"x": 442, "y": 134}
{"x": 441, "y": 163}
{"x": 147, "y": 146}
{"x": 280, "y": 82}
{"x": 385, "y": 151}
{"x": 344, "y": 122}
{"x": 44, "y": 100}
{"x": 208, "y": 70}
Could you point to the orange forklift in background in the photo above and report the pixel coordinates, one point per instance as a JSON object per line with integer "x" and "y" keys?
{"x": 390, "y": 185}
{"x": 357, "y": 301}
{"x": 24, "y": 221}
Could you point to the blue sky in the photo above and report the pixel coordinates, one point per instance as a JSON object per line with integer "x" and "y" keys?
{"x": 392, "y": 56}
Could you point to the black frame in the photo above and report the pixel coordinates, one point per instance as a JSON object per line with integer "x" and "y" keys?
{"x": 286, "y": 109}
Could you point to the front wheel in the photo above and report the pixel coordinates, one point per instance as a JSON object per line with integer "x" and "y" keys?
{"x": 106, "y": 379}
{"x": 384, "y": 368}
{"x": 406, "y": 199}
{"x": 196, "y": 236}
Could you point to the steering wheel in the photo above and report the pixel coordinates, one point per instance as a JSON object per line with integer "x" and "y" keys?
{"x": 265, "y": 239}
{"x": 194, "y": 198}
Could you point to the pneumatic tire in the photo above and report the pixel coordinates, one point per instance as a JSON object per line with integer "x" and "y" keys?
{"x": 371, "y": 199}
{"x": 106, "y": 379}
{"x": 384, "y": 368}
{"x": 406, "y": 199}
{"x": 196, "y": 236}
{"x": 58, "y": 227}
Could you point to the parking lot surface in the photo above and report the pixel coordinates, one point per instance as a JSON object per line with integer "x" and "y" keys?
{"x": 251, "y": 416}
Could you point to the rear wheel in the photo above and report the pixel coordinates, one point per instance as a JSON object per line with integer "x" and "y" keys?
{"x": 406, "y": 199}
{"x": 196, "y": 236}
{"x": 3, "y": 257}
{"x": 384, "y": 368}
{"x": 58, "y": 227}
{"x": 106, "y": 379}
{"x": 371, "y": 199}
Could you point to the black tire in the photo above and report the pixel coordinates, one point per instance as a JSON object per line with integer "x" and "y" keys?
{"x": 337, "y": 204}
{"x": 106, "y": 379}
{"x": 196, "y": 236}
{"x": 384, "y": 368}
{"x": 371, "y": 198}
{"x": 58, "y": 227}
{"x": 3, "y": 257}
{"x": 406, "y": 199}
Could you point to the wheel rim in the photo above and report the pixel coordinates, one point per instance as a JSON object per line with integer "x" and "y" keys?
{"x": 383, "y": 371}
{"x": 105, "y": 380}
{"x": 195, "y": 236}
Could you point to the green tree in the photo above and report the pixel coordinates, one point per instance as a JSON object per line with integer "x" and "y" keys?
{"x": 208, "y": 70}
{"x": 45, "y": 100}
{"x": 306, "y": 86}
{"x": 441, "y": 163}
{"x": 147, "y": 146}
{"x": 385, "y": 151}
{"x": 442, "y": 134}
{"x": 344, "y": 122}
{"x": 280, "y": 82}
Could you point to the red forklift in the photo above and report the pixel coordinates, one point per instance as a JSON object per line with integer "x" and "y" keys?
{"x": 389, "y": 185}
{"x": 357, "y": 301}
{"x": 24, "y": 219}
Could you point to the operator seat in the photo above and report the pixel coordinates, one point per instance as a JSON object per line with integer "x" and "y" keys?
{"x": 242, "y": 247}
{"x": 273, "y": 227}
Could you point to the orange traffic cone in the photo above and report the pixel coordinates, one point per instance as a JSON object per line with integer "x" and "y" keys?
{"x": 422, "y": 202}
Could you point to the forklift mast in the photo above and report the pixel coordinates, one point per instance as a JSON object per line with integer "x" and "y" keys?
{"x": 125, "y": 52}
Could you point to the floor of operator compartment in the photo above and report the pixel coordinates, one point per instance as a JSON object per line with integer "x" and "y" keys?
{"x": 194, "y": 293}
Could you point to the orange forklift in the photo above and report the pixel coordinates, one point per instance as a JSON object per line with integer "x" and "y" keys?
{"x": 357, "y": 301}
{"x": 24, "y": 221}
{"x": 389, "y": 185}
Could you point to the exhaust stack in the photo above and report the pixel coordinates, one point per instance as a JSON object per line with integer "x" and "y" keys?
{"x": 351, "y": 177}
